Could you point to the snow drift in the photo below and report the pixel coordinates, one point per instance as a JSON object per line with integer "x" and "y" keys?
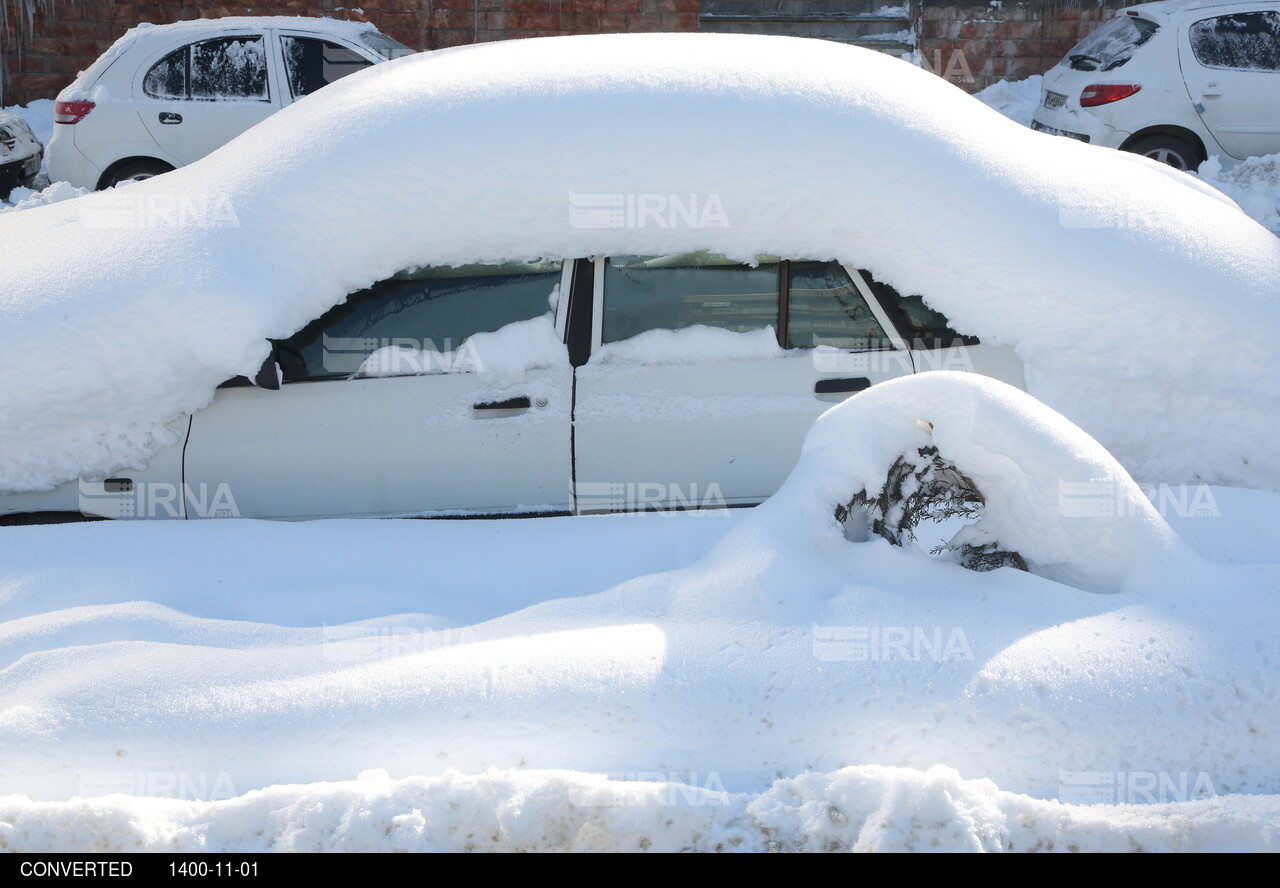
{"x": 1144, "y": 304}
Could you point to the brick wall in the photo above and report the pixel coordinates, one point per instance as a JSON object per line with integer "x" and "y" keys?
{"x": 1003, "y": 41}
{"x": 972, "y": 42}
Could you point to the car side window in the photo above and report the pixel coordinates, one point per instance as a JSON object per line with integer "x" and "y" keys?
{"x": 921, "y": 326}
{"x": 824, "y": 307}
{"x": 167, "y": 78}
{"x": 229, "y": 68}
{"x": 682, "y": 290}
{"x": 1248, "y": 41}
{"x": 226, "y": 68}
{"x": 311, "y": 64}
{"x": 432, "y": 309}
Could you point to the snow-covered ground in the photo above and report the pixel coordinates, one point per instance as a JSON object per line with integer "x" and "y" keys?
{"x": 1254, "y": 184}
{"x": 734, "y": 681}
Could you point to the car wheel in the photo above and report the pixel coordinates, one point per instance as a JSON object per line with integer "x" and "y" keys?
{"x": 1177, "y": 153}
{"x": 135, "y": 169}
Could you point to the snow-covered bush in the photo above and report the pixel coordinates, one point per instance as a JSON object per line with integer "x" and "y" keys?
{"x": 1047, "y": 496}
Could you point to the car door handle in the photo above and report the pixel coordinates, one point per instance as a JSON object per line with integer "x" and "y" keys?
{"x": 840, "y": 386}
{"x": 170, "y": 117}
{"x": 519, "y": 403}
{"x": 1211, "y": 91}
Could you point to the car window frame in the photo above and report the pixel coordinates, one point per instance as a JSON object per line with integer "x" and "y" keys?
{"x": 892, "y": 333}
{"x": 278, "y": 35}
{"x": 144, "y": 70}
{"x": 1195, "y": 56}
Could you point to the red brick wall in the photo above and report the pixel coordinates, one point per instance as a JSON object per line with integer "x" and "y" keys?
{"x": 1006, "y": 42}
{"x": 69, "y": 34}
{"x": 973, "y": 41}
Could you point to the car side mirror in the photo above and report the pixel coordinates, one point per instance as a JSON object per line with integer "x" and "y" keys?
{"x": 269, "y": 375}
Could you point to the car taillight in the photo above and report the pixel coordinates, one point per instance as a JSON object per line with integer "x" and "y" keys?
{"x": 71, "y": 112}
{"x": 1105, "y": 93}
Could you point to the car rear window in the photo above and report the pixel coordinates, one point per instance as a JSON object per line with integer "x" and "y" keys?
{"x": 1112, "y": 45}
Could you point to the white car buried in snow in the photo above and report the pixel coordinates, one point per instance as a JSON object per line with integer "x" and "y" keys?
{"x": 609, "y": 273}
{"x": 162, "y": 97}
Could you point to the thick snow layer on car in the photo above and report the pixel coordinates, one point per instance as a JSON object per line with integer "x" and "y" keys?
{"x": 1144, "y": 304}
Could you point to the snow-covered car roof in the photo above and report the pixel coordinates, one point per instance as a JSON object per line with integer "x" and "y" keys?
{"x": 1165, "y": 10}
{"x": 196, "y": 29}
{"x": 1144, "y": 304}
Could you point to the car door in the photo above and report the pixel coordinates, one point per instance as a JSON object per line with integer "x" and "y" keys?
{"x": 1231, "y": 64}
{"x": 199, "y": 96}
{"x": 438, "y": 390}
{"x": 689, "y": 399}
{"x": 309, "y": 63}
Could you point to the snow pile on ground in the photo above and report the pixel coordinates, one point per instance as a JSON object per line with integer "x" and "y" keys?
{"x": 180, "y": 279}
{"x": 1254, "y": 184}
{"x": 790, "y": 673}
{"x": 1015, "y": 99}
{"x": 865, "y": 808}
{"x": 26, "y": 198}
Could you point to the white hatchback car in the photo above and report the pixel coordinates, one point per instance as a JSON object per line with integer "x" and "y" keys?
{"x": 1177, "y": 81}
{"x": 164, "y": 96}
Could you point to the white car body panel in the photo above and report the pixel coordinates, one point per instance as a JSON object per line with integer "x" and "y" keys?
{"x": 1242, "y": 120}
{"x": 125, "y": 121}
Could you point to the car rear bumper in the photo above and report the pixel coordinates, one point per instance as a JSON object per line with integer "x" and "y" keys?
{"x": 1076, "y": 124}
{"x": 15, "y": 173}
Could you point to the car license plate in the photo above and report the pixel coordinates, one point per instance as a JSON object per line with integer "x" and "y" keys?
{"x": 1054, "y": 100}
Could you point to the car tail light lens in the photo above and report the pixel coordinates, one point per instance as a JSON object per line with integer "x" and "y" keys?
{"x": 1106, "y": 93}
{"x": 71, "y": 112}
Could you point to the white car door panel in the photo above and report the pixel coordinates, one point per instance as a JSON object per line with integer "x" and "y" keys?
{"x": 689, "y": 402}
{"x": 405, "y": 399}
{"x": 1231, "y": 64}
{"x": 198, "y": 97}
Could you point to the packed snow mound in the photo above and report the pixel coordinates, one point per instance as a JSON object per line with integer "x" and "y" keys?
{"x": 1051, "y": 493}
{"x": 1015, "y": 99}
{"x": 1144, "y": 303}
{"x": 1254, "y": 184}
{"x": 867, "y": 808}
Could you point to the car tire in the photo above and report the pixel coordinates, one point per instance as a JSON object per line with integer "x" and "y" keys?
{"x": 134, "y": 169}
{"x": 1172, "y": 150}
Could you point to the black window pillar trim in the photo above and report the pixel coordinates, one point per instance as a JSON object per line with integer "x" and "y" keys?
{"x": 581, "y": 305}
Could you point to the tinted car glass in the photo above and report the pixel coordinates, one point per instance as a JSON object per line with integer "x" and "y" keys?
{"x": 922, "y": 326}
{"x": 167, "y": 78}
{"x": 434, "y": 309}
{"x": 1247, "y": 41}
{"x": 312, "y": 64}
{"x": 1111, "y": 45}
{"x": 824, "y": 307}
{"x": 229, "y": 68}
{"x": 672, "y": 292}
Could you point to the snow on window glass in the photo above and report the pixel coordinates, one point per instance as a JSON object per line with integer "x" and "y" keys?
{"x": 167, "y": 79}
{"x": 312, "y": 64}
{"x": 230, "y": 68}
{"x": 672, "y": 292}
{"x": 1112, "y": 45}
{"x": 1249, "y": 41}
{"x": 824, "y": 307}
{"x": 432, "y": 310}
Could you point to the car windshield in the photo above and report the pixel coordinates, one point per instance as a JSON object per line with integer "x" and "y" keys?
{"x": 1112, "y": 45}
{"x": 384, "y": 46}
